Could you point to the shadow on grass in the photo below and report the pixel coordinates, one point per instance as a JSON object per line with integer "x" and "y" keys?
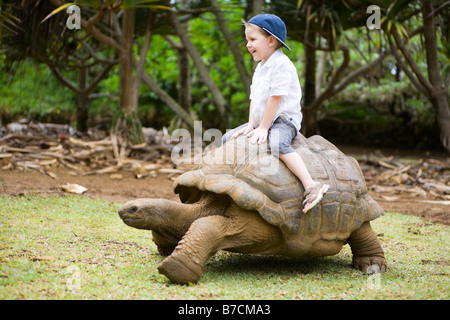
{"x": 230, "y": 264}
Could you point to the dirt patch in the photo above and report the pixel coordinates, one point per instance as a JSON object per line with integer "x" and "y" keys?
{"x": 434, "y": 212}
{"x": 119, "y": 187}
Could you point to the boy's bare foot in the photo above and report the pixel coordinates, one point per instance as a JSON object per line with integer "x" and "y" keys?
{"x": 313, "y": 195}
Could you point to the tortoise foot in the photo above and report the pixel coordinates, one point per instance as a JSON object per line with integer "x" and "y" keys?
{"x": 178, "y": 271}
{"x": 370, "y": 264}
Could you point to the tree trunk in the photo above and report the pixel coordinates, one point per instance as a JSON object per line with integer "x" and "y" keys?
{"x": 257, "y": 7}
{"x": 233, "y": 45}
{"x": 184, "y": 78}
{"x": 127, "y": 123}
{"x": 441, "y": 107}
{"x": 167, "y": 99}
{"x": 321, "y": 71}
{"x": 309, "y": 123}
{"x": 438, "y": 96}
{"x": 218, "y": 98}
{"x": 184, "y": 81}
{"x": 183, "y": 108}
{"x": 82, "y": 99}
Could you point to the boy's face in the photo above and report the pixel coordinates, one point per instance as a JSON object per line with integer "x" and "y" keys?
{"x": 259, "y": 45}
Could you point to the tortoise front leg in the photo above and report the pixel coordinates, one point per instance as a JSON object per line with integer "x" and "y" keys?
{"x": 241, "y": 231}
{"x": 185, "y": 264}
{"x": 366, "y": 249}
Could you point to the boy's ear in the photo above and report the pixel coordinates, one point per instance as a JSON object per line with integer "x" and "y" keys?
{"x": 272, "y": 41}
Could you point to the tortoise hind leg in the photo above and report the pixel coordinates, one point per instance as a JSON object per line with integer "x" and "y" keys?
{"x": 366, "y": 249}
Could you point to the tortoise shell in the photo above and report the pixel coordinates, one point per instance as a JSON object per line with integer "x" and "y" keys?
{"x": 256, "y": 180}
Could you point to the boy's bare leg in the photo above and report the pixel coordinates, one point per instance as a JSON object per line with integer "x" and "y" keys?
{"x": 313, "y": 191}
{"x": 295, "y": 163}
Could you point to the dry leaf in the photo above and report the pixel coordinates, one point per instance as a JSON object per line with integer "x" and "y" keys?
{"x": 51, "y": 174}
{"x": 116, "y": 176}
{"x": 168, "y": 170}
{"x": 390, "y": 198}
{"x": 74, "y": 188}
{"x": 109, "y": 169}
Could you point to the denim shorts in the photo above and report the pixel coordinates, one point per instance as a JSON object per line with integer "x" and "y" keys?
{"x": 281, "y": 134}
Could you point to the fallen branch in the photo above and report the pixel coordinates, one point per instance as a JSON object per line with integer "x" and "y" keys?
{"x": 36, "y": 146}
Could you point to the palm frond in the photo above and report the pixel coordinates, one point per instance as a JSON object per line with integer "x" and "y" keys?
{"x": 64, "y": 6}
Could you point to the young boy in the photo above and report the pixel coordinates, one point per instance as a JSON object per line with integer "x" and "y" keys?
{"x": 275, "y": 96}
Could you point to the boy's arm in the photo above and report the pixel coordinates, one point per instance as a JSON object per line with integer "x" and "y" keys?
{"x": 249, "y": 127}
{"x": 270, "y": 111}
{"x": 260, "y": 134}
{"x": 250, "y": 119}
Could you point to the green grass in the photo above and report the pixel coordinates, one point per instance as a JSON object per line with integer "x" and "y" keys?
{"x": 96, "y": 256}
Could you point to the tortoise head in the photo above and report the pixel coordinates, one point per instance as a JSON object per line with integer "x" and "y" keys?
{"x": 142, "y": 213}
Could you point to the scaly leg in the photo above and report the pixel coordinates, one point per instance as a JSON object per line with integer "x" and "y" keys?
{"x": 185, "y": 264}
{"x": 239, "y": 233}
{"x": 366, "y": 249}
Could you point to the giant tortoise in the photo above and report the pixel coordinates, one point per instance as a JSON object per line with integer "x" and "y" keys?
{"x": 243, "y": 199}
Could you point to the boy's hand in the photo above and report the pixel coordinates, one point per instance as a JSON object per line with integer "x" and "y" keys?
{"x": 244, "y": 131}
{"x": 259, "y": 135}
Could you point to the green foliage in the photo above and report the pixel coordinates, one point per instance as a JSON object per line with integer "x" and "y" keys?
{"x": 31, "y": 91}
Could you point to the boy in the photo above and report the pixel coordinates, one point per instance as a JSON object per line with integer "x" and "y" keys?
{"x": 275, "y": 101}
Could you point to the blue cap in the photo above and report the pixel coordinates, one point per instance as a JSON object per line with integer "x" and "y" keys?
{"x": 272, "y": 25}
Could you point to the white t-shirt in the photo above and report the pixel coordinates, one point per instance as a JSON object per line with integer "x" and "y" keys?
{"x": 276, "y": 77}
